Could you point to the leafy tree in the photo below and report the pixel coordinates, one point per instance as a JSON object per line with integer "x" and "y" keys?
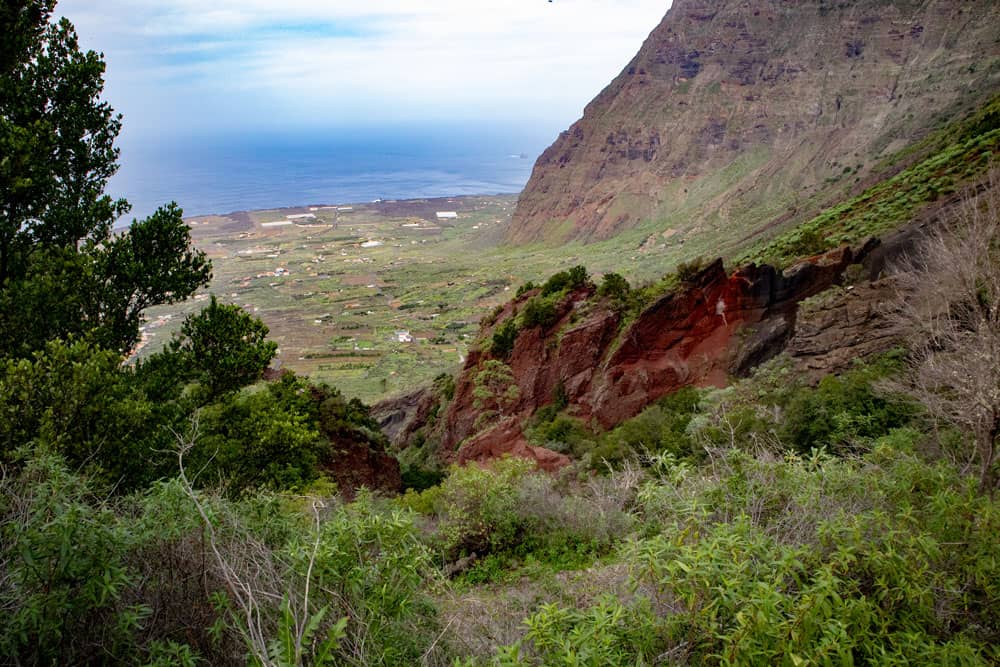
{"x": 78, "y": 401}
{"x": 225, "y": 347}
{"x": 62, "y": 270}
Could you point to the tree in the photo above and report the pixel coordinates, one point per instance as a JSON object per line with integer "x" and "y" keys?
{"x": 951, "y": 309}
{"x": 62, "y": 270}
{"x": 225, "y": 347}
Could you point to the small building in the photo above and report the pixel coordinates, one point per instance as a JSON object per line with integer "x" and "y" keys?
{"x": 402, "y": 336}
{"x": 447, "y": 215}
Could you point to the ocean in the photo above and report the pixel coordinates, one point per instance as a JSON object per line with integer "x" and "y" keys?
{"x": 247, "y": 171}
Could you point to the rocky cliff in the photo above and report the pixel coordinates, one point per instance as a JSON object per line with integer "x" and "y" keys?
{"x": 738, "y": 117}
{"x": 715, "y": 325}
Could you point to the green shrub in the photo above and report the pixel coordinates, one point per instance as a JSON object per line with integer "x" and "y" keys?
{"x": 76, "y": 400}
{"x": 372, "y": 568}
{"x": 502, "y": 343}
{"x": 65, "y": 576}
{"x": 660, "y": 428}
{"x": 844, "y": 412}
{"x": 539, "y": 312}
{"x": 608, "y": 633}
{"x": 526, "y": 287}
{"x": 512, "y": 510}
{"x": 572, "y": 279}
{"x": 822, "y": 559}
{"x": 688, "y": 271}
{"x": 614, "y": 287}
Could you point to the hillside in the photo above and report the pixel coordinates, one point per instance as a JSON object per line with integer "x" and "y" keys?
{"x": 739, "y": 119}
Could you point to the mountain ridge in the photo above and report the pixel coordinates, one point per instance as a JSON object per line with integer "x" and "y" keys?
{"x": 736, "y": 118}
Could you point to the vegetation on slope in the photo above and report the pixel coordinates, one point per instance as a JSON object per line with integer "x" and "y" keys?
{"x": 958, "y": 154}
{"x": 167, "y": 513}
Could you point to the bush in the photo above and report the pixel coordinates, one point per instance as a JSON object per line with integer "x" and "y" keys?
{"x": 844, "y": 412}
{"x": 614, "y": 287}
{"x": 688, "y": 271}
{"x": 503, "y": 340}
{"x": 251, "y": 441}
{"x": 660, "y": 428}
{"x": 525, "y": 288}
{"x": 65, "y": 577}
{"x": 77, "y": 401}
{"x": 539, "y": 312}
{"x": 572, "y": 279}
{"x": 822, "y": 558}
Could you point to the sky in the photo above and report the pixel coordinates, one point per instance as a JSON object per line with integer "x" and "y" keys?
{"x": 195, "y": 67}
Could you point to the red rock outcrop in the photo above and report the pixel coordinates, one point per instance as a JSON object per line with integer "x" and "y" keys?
{"x": 507, "y": 439}
{"x": 358, "y": 463}
{"x": 716, "y": 325}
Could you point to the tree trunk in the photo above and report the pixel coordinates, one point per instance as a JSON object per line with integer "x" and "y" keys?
{"x": 987, "y": 475}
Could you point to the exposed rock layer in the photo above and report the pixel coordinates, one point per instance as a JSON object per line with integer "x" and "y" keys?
{"x": 734, "y": 113}
{"x": 715, "y": 326}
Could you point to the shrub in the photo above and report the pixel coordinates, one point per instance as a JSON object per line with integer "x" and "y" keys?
{"x": 614, "y": 287}
{"x": 503, "y": 340}
{"x": 539, "y": 312}
{"x": 263, "y": 439}
{"x": 844, "y": 412}
{"x": 571, "y": 279}
{"x": 688, "y": 271}
{"x": 659, "y": 428}
{"x": 526, "y": 287}
{"x": 76, "y": 400}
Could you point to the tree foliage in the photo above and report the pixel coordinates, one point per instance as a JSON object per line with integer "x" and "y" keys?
{"x": 225, "y": 347}
{"x": 62, "y": 269}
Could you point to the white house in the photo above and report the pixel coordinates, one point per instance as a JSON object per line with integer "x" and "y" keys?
{"x": 447, "y": 215}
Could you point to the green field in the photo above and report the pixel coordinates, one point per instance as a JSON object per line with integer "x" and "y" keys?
{"x": 338, "y": 290}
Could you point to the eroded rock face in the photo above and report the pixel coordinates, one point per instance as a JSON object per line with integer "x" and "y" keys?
{"x": 732, "y": 107}
{"x": 717, "y": 325}
{"x": 843, "y": 325}
{"x": 507, "y": 439}
{"x": 402, "y": 416}
{"x": 358, "y": 463}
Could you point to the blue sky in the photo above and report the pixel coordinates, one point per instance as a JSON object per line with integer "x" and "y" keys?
{"x": 206, "y": 66}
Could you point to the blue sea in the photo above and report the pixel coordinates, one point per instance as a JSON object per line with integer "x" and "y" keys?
{"x": 222, "y": 173}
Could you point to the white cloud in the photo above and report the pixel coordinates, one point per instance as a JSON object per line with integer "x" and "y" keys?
{"x": 302, "y": 62}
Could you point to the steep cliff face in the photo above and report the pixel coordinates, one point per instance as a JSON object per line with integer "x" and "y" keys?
{"x": 714, "y": 326}
{"x": 734, "y": 113}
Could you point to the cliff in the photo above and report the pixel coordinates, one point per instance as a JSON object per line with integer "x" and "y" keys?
{"x": 715, "y": 325}
{"x": 738, "y": 117}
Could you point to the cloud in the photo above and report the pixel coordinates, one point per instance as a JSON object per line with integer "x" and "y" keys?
{"x": 312, "y": 63}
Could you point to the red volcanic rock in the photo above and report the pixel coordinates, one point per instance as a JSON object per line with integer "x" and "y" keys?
{"x": 714, "y": 326}
{"x": 358, "y": 464}
{"x": 506, "y": 438}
